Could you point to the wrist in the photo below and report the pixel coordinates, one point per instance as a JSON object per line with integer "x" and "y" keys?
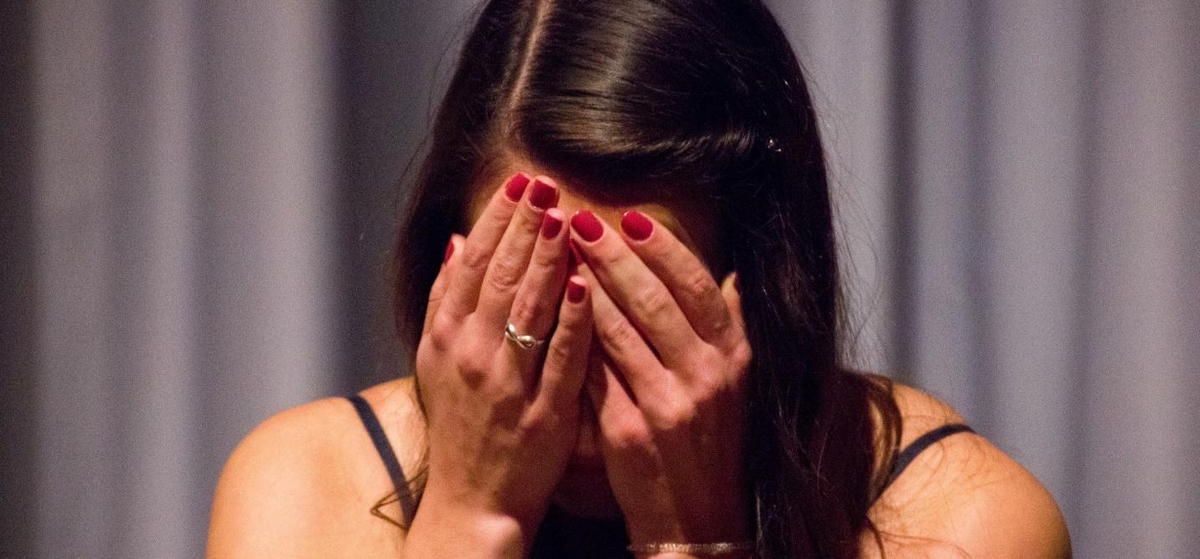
{"x": 446, "y": 527}
{"x": 723, "y": 549}
{"x": 700, "y": 529}
{"x": 737, "y": 547}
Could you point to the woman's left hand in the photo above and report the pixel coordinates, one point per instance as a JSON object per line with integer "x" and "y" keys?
{"x": 670, "y": 394}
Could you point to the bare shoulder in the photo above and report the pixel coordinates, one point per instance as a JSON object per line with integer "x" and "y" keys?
{"x": 962, "y": 496}
{"x": 302, "y": 483}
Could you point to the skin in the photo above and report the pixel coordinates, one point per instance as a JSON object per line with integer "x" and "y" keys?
{"x": 687, "y": 235}
{"x": 632, "y": 413}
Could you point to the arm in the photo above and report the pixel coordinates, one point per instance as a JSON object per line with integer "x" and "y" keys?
{"x": 292, "y": 488}
{"x": 500, "y": 424}
{"x": 963, "y": 497}
{"x": 270, "y": 497}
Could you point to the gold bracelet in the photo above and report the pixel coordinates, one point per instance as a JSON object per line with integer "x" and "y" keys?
{"x": 721, "y": 548}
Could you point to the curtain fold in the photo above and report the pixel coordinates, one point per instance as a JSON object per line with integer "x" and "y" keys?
{"x": 1037, "y": 251}
{"x": 213, "y": 187}
{"x": 183, "y": 226}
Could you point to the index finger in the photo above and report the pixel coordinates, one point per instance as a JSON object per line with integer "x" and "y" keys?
{"x": 462, "y": 294}
{"x": 686, "y": 277}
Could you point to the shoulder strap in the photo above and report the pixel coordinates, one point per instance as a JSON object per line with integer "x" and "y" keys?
{"x": 906, "y": 456}
{"x": 371, "y": 422}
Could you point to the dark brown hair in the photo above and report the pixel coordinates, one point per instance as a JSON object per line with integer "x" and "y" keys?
{"x": 630, "y": 100}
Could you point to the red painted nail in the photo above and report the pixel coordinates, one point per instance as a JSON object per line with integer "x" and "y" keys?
{"x": 576, "y": 289}
{"x": 516, "y": 186}
{"x": 544, "y": 195}
{"x": 552, "y": 223}
{"x": 636, "y": 225}
{"x": 586, "y": 224}
{"x": 449, "y": 251}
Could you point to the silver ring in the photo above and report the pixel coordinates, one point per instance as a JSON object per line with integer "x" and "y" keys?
{"x": 524, "y": 341}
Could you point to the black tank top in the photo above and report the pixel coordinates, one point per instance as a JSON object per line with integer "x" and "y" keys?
{"x": 587, "y": 535}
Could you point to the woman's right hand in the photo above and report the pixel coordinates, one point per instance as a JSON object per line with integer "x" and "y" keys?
{"x": 501, "y": 420}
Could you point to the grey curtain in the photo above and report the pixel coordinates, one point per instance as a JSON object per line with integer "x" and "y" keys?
{"x": 206, "y": 195}
{"x": 182, "y": 210}
{"x": 1018, "y": 183}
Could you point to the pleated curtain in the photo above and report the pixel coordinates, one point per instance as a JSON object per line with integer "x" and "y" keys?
{"x": 212, "y": 197}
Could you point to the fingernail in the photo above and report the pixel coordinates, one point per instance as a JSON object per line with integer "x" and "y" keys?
{"x": 636, "y": 225}
{"x": 449, "y": 251}
{"x": 552, "y": 223}
{"x": 575, "y": 289}
{"x": 516, "y": 186}
{"x": 586, "y": 224}
{"x": 544, "y": 195}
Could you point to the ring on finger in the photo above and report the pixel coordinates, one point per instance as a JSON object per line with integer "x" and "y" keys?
{"x": 523, "y": 341}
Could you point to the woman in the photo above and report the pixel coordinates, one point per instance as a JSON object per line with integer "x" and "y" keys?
{"x": 635, "y": 347}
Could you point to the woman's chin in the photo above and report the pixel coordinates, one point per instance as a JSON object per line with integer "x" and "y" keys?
{"x": 584, "y": 492}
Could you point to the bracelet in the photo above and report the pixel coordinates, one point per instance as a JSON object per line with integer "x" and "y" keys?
{"x": 720, "y": 548}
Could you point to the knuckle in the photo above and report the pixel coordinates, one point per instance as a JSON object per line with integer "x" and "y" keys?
{"x": 603, "y": 256}
{"x": 425, "y": 361}
{"x": 652, "y": 301}
{"x": 475, "y": 257}
{"x": 677, "y": 415}
{"x": 473, "y": 368}
{"x": 435, "y": 298}
{"x": 629, "y": 436}
{"x": 544, "y": 257}
{"x": 543, "y": 419}
{"x": 527, "y": 311}
{"x": 505, "y": 274}
{"x": 498, "y": 214}
{"x": 558, "y": 355}
{"x": 472, "y": 377}
{"x": 708, "y": 388}
{"x": 719, "y": 324}
{"x": 699, "y": 285}
{"x": 741, "y": 355}
{"x": 508, "y": 397}
{"x": 529, "y": 220}
{"x": 442, "y": 332}
{"x": 619, "y": 333}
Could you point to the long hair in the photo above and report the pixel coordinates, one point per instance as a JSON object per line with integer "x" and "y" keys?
{"x": 701, "y": 100}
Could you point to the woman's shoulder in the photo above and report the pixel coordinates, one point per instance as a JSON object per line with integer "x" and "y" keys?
{"x": 302, "y": 482}
{"x": 962, "y": 495}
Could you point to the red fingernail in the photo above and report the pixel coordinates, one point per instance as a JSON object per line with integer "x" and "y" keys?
{"x": 586, "y": 224}
{"x": 552, "y": 223}
{"x": 516, "y": 186}
{"x": 544, "y": 195}
{"x": 636, "y": 225}
{"x": 575, "y": 289}
{"x": 449, "y": 251}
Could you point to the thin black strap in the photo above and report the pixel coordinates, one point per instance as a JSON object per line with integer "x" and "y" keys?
{"x": 906, "y": 456}
{"x": 407, "y": 505}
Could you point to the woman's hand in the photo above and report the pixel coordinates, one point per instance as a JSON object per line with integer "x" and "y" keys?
{"x": 669, "y": 396}
{"x": 501, "y": 424}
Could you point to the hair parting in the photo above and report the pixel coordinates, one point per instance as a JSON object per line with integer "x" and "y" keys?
{"x": 634, "y": 100}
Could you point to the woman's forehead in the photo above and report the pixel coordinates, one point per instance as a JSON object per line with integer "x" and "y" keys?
{"x": 571, "y": 200}
{"x": 694, "y": 224}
